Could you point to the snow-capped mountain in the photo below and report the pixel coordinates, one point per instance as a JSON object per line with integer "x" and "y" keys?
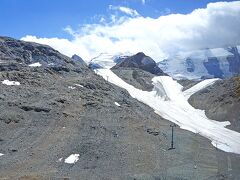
{"x": 207, "y": 63}
{"x": 107, "y": 60}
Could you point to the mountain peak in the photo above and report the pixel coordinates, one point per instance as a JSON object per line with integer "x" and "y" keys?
{"x": 141, "y": 61}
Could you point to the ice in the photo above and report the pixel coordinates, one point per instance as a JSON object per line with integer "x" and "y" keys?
{"x": 37, "y": 64}
{"x": 73, "y": 158}
{"x": 203, "y": 84}
{"x": 11, "y": 83}
{"x": 218, "y": 52}
{"x": 117, "y": 104}
{"x": 169, "y": 102}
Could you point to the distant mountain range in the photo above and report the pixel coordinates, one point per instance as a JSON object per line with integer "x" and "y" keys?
{"x": 202, "y": 64}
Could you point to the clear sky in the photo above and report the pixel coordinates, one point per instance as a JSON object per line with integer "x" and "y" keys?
{"x": 48, "y": 18}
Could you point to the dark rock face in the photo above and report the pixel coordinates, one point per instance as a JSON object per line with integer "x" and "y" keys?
{"x": 213, "y": 67}
{"x": 190, "y": 65}
{"x": 234, "y": 61}
{"x": 78, "y": 59}
{"x": 141, "y": 61}
{"x": 221, "y": 101}
{"x": 94, "y": 66}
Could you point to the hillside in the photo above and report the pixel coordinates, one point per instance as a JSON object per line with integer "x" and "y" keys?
{"x": 60, "y": 120}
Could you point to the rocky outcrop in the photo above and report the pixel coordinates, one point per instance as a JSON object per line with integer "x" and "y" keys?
{"x": 78, "y": 59}
{"x": 140, "y": 61}
{"x": 138, "y": 78}
{"x": 221, "y": 101}
{"x": 15, "y": 54}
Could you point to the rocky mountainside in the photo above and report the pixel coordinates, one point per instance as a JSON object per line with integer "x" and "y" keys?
{"x": 78, "y": 59}
{"x": 202, "y": 64}
{"x": 221, "y": 101}
{"x": 15, "y": 54}
{"x": 140, "y": 61}
{"x": 60, "y": 120}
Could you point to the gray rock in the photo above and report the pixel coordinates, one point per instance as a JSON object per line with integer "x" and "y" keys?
{"x": 140, "y": 61}
{"x": 126, "y": 142}
{"x": 221, "y": 101}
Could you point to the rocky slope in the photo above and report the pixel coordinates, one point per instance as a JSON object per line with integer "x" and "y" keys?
{"x": 15, "y": 54}
{"x": 221, "y": 101}
{"x": 78, "y": 59}
{"x": 140, "y": 61}
{"x": 138, "y": 78}
{"x": 64, "y": 108}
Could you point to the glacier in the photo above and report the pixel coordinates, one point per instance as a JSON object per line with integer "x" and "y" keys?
{"x": 168, "y": 101}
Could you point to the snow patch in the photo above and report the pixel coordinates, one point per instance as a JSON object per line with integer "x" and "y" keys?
{"x": 71, "y": 87}
{"x": 37, "y": 64}
{"x": 1, "y": 154}
{"x": 203, "y": 84}
{"x": 79, "y": 85}
{"x": 117, "y": 104}
{"x": 73, "y": 158}
{"x": 11, "y": 83}
{"x": 168, "y": 101}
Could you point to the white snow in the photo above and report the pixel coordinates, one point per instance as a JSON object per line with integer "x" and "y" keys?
{"x": 79, "y": 85}
{"x": 203, "y": 84}
{"x": 238, "y": 48}
{"x": 10, "y": 83}
{"x": 117, "y": 104}
{"x": 107, "y": 60}
{"x": 177, "y": 64}
{"x": 59, "y": 160}
{"x": 168, "y": 101}
{"x": 71, "y": 87}
{"x": 37, "y": 64}
{"x": 73, "y": 158}
{"x": 218, "y": 52}
{"x": 1, "y": 154}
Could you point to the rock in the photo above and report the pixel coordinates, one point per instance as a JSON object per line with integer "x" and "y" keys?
{"x": 16, "y": 54}
{"x": 141, "y": 61}
{"x": 221, "y": 101}
{"x": 78, "y": 59}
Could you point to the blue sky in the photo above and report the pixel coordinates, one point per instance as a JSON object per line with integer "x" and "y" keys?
{"x": 48, "y": 18}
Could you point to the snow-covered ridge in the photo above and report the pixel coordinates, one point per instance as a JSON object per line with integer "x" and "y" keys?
{"x": 168, "y": 101}
{"x": 217, "y": 62}
{"x": 107, "y": 60}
